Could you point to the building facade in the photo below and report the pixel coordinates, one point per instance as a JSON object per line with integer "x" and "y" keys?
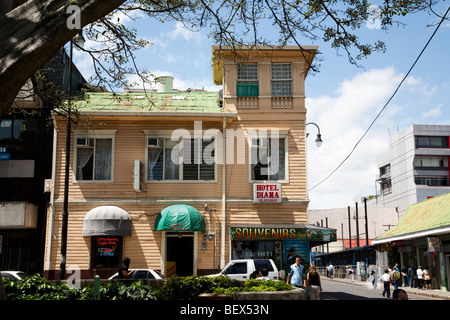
{"x": 26, "y": 138}
{"x": 414, "y": 168}
{"x": 184, "y": 181}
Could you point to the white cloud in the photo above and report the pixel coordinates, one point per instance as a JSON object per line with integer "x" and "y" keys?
{"x": 433, "y": 113}
{"x": 182, "y": 32}
{"x": 343, "y": 118}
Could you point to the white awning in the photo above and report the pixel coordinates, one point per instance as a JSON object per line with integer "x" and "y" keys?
{"x": 107, "y": 221}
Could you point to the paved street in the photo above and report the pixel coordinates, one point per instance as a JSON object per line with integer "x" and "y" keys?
{"x": 345, "y": 290}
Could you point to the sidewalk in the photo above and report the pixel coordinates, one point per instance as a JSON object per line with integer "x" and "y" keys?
{"x": 434, "y": 293}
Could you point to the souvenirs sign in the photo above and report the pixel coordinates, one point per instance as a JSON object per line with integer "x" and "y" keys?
{"x": 267, "y": 193}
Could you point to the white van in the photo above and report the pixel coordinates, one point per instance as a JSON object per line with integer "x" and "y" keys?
{"x": 241, "y": 269}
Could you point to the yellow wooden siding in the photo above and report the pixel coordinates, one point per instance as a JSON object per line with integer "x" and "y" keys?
{"x": 130, "y": 146}
{"x": 143, "y": 247}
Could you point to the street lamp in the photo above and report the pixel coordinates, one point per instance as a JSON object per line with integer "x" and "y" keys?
{"x": 79, "y": 41}
{"x": 319, "y": 136}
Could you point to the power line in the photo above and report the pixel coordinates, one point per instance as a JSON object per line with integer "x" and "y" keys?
{"x": 392, "y": 96}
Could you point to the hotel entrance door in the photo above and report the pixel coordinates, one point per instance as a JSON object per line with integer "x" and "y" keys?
{"x": 180, "y": 249}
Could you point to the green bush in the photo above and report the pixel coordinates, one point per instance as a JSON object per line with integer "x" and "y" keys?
{"x": 255, "y": 285}
{"x": 38, "y": 288}
{"x": 174, "y": 288}
{"x": 188, "y": 288}
{"x": 136, "y": 290}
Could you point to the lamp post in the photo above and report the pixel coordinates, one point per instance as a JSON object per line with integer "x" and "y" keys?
{"x": 319, "y": 136}
{"x": 65, "y": 214}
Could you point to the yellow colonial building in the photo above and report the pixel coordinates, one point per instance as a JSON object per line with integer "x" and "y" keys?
{"x": 184, "y": 181}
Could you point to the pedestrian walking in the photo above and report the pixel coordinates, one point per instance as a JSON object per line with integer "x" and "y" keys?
{"x": 123, "y": 270}
{"x": 420, "y": 277}
{"x": 405, "y": 276}
{"x": 295, "y": 275}
{"x": 313, "y": 283}
{"x": 395, "y": 278}
{"x": 374, "y": 279}
{"x": 351, "y": 272}
{"x": 427, "y": 278}
{"x": 412, "y": 276}
{"x": 330, "y": 271}
{"x": 386, "y": 279}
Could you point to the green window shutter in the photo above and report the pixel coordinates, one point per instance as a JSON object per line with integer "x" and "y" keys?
{"x": 247, "y": 89}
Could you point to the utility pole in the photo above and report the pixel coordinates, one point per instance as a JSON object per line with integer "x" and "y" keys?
{"x": 65, "y": 213}
{"x": 357, "y": 226}
{"x": 349, "y": 228}
{"x": 367, "y": 222}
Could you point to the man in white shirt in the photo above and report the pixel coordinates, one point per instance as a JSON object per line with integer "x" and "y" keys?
{"x": 420, "y": 276}
{"x": 386, "y": 279}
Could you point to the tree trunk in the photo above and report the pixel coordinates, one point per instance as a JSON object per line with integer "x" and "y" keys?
{"x": 32, "y": 33}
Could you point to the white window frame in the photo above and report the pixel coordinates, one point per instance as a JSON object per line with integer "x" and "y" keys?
{"x": 167, "y": 135}
{"x": 287, "y": 79}
{"x": 94, "y": 134}
{"x": 246, "y": 79}
{"x": 282, "y": 134}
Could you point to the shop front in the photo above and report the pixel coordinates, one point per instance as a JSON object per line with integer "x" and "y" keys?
{"x": 422, "y": 238}
{"x": 281, "y": 243}
{"x": 180, "y": 225}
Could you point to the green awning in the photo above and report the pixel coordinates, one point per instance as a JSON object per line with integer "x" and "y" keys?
{"x": 429, "y": 217}
{"x": 180, "y": 217}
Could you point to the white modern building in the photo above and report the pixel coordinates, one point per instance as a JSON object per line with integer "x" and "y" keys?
{"x": 415, "y": 167}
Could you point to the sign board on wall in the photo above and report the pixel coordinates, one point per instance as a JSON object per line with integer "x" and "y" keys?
{"x": 106, "y": 246}
{"x": 281, "y": 233}
{"x": 267, "y": 193}
{"x": 433, "y": 244}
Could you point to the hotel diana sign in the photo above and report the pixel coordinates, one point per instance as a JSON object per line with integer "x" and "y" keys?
{"x": 267, "y": 193}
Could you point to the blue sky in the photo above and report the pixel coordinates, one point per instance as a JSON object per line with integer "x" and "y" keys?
{"x": 342, "y": 98}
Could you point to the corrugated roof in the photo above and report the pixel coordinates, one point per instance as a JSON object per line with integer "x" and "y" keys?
{"x": 202, "y": 101}
{"x": 431, "y": 216}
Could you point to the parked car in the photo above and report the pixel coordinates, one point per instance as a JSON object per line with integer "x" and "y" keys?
{"x": 14, "y": 274}
{"x": 141, "y": 274}
{"x": 241, "y": 269}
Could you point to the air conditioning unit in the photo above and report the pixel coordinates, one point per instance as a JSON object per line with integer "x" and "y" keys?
{"x": 82, "y": 142}
{"x": 138, "y": 176}
{"x": 155, "y": 142}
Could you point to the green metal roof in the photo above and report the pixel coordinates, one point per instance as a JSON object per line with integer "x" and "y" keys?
{"x": 192, "y": 102}
{"x": 430, "y": 216}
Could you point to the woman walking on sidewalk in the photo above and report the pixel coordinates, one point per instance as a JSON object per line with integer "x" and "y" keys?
{"x": 386, "y": 279}
{"x": 427, "y": 277}
{"x": 313, "y": 283}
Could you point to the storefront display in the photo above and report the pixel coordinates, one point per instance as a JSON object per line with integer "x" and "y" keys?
{"x": 281, "y": 243}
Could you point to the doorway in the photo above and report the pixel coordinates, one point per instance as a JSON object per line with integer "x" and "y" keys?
{"x": 180, "y": 249}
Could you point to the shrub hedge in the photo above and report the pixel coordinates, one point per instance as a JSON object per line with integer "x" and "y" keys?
{"x": 174, "y": 288}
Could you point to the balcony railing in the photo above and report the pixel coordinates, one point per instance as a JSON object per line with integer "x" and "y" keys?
{"x": 251, "y": 103}
{"x": 247, "y": 103}
{"x": 282, "y": 103}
